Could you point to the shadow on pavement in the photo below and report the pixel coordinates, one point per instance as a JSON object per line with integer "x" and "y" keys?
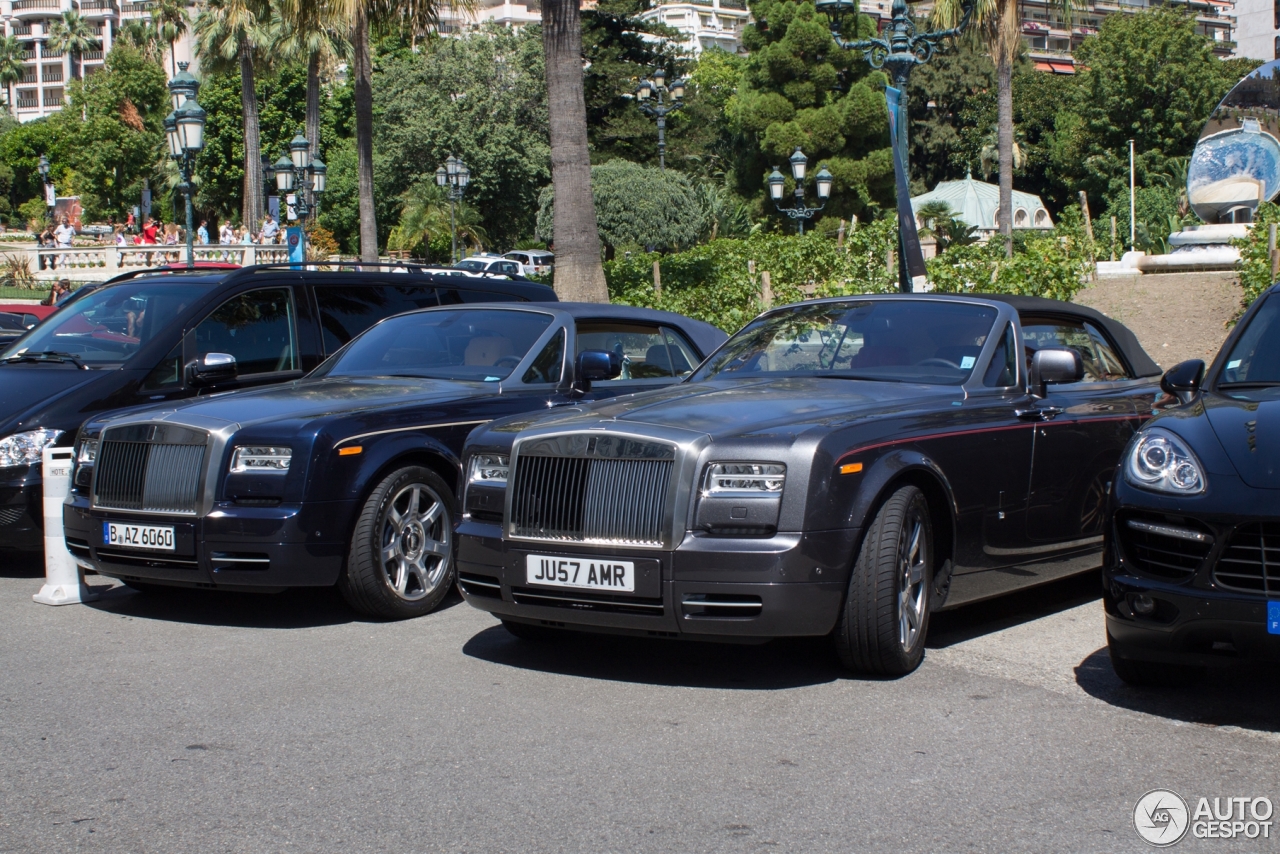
{"x": 298, "y": 608}
{"x": 1244, "y": 695}
{"x": 787, "y": 663}
{"x": 21, "y": 564}
{"x": 994, "y": 615}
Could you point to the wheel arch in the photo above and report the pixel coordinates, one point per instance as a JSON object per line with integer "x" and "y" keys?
{"x": 430, "y": 454}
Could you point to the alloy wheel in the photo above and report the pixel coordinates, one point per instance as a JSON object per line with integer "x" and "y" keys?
{"x": 415, "y": 544}
{"x": 912, "y": 559}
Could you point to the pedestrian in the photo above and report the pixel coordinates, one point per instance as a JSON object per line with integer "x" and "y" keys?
{"x": 246, "y": 236}
{"x": 150, "y": 232}
{"x": 130, "y": 223}
{"x": 202, "y": 233}
{"x": 269, "y": 230}
{"x": 62, "y": 236}
{"x": 227, "y": 234}
{"x": 60, "y": 288}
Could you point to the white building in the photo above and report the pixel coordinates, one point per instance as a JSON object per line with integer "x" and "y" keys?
{"x": 704, "y": 24}
{"x": 1258, "y": 29}
{"x": 41, "y": 90}
{"x": 454, "y": 22}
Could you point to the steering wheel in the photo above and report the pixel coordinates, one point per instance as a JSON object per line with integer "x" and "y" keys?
{"x": 936, "y": 361}
{"x": 506, "y": 362}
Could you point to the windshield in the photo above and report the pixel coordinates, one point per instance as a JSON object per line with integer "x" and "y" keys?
{"x": 1255, "y": 360}
{"x": 892, "y": 340}
{"x": 109, "y": 324}
{"x": 479, "y": 345}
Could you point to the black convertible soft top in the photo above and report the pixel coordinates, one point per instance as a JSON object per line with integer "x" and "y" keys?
{"x": 1130, "y": 350}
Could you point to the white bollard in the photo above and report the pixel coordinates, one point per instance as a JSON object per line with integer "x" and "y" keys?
{"x": 63, "y": 579}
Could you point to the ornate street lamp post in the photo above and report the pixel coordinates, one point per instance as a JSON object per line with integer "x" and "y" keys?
{"x": 454, "y": 175}
{"x": 44, "y": 178}
{"x": 184, "y": 131}
{"x": 300, "y": 173}
{"x": 660, "y": 109}
{"x": 900, "y": 50}
{"x": 799, "y": 211}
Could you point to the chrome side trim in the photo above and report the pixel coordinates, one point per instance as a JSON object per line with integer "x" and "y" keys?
{"x": 1051, "y": 547}
{"x": 414, "y": 427}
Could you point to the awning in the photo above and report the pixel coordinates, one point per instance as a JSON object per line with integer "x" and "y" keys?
{"x": 1062, "y": 68}
{"x": 1043, "y": 66}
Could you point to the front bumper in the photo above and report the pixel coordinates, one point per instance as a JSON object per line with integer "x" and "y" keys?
{"x": 21, "y": 509}
{"x": 707, "y": 588}
{"x": 234, "y": 547}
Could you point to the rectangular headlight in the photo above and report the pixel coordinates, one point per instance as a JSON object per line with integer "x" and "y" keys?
{"x": 87, "y": 452}
{"x": 754, "y": 478}
{"x": 261, "y": 458}
{"x": 490, "y": 469}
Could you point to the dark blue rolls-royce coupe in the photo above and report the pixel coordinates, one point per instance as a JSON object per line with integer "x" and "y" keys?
{"x": 839, "y": 467}
{"x": 1193, "y": 575}
{"x": 349, "y": 475}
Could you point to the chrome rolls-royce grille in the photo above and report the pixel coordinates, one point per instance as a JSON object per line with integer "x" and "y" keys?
{"x": 153, "y": 468}
{"x": 592, "y": 489}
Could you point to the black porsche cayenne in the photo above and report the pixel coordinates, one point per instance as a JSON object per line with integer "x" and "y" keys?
{"x": 1192, "y": 577}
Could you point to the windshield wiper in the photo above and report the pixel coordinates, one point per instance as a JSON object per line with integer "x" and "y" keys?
{"x": 49, "y": 356}
{"x": 833, "y": 376}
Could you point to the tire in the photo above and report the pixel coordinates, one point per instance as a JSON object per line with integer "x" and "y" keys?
{"x": 885, "y": 618}
{"x": 527, "y": 632}
{"x": 401, "y": 562}
{"x": 1151, "y": 674}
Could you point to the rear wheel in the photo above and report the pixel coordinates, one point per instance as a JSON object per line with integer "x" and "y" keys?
{"x": 401, "y": 560}
{"x": 885, "y": 617}
{"x": 1151, "y": 674}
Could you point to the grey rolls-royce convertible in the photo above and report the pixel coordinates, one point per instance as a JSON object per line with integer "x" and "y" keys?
{"x": 839, "y": 467}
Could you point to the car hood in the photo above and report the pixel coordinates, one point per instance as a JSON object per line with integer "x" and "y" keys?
{"x": 737, "y": 407}
{"x": 307, "y": 399}
{"x": 1249, "y": 431}
{"x": 27, "y": 387}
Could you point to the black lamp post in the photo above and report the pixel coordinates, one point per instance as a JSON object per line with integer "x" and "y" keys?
{"x": 268, "y": 180}
{"x": 302, "y": 174}
{"x": 799, "y": 211}
{"x": 184, "y": 131}
{"x": 454, "y": 175}
{"x": 44, "y": 178}
{"x": 901, "y": 50}
{"x": 660, "y": 109}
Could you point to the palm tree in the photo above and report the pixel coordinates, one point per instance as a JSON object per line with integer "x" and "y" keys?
{"x": 414, "y": 18}
{"x": 998, "y": 23}
{"x": 233, "y": 34}
{"x": 312, "y": 30}
{"x": 579, "y": 272}
{"x": 169, "y": 17}
{"x": 72, "y": 34}
{"x": 139, "y": 33}
{"x": 424, "y": 213}
{"x": 12, "y": 64}
{"x": 990, "y": 154}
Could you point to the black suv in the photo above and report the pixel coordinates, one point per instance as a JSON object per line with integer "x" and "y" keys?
{"x": 175, "y": 335}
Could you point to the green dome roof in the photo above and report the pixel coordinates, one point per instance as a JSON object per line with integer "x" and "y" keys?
{"x": 976, "y": 202}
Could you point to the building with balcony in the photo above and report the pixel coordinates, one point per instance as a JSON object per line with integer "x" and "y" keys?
{"x": 1258, "y": 28}
{"x": 41, "y": 91}
{"x": 456, "y": 22}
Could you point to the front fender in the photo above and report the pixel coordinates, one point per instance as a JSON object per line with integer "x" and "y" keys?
{"x": 348, "y": 477}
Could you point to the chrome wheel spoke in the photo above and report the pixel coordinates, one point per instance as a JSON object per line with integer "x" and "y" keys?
{"x": 390, "y": 553}
{"x": 414, "y": 557}
{"x": 432, "y": 513}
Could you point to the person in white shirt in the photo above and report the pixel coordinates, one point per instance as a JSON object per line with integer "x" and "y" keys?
{"x": 62, "y": 237}
{"x": 269, "y": 230}
{"x": 228, "y": 234}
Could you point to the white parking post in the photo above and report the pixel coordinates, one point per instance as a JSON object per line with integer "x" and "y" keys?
{"x": 63, "y": 579}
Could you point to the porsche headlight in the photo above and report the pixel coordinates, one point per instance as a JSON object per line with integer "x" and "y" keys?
{"x": 750, "y": 478}
{"x": 1161, "y": 461}
{"x": 261, "y": 458}
{"x": 490, "y": 469}
{"x": 24, "y": 449}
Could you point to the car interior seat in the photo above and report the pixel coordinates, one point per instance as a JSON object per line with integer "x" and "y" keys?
{"x": 485, "y": 352}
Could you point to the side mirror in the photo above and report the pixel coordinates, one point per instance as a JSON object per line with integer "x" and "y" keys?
{"x": 1183, "y": 380}
{"x": 214, "y": 368}
{"x": 595, "y": 366}
{"x": 1054, "y": 365}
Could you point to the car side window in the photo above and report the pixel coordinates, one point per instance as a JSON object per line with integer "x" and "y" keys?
{"x": 167, "y": 374}
{"x": 1101, "y": 363}
{"x": 257, "y": 328}
{"x": 1003, "y": 370}
{"x": 644, "y": 349}
{"x": 348, "y": 310}
{"x": 549, "y": 364}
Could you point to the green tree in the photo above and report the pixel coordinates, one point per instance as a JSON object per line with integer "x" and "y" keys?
{"x": 313, "y": 33}
{"x": 637, "y": 207}
{"x": 800, "y": 90}
{"x": 71, "y": 33}
{"x": 234, "y": 34}
{"x": 12, "y": 64}
{"x": 169, "y": 17}
{"x": 952, "y": 100}
{"x": 481, "y": 97}
{"x": 140, "y": 33}
{"x": 426, "y": 225}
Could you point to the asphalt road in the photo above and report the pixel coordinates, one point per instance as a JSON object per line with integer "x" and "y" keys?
{"x": 228, "y": 723}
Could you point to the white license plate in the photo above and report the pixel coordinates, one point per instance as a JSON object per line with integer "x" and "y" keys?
{"x": 156, "y": 538}
{"x": 584, "y": 573}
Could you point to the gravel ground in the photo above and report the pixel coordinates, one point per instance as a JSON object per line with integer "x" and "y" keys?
{"x": 237, "y": 723}
{"x": 1176, "y": 316}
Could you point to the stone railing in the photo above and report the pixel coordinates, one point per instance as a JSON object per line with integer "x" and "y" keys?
{"x": 102, "y": 262}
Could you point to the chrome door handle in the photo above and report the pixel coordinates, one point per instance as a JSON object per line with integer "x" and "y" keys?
{"x": 1044, "y": 413}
